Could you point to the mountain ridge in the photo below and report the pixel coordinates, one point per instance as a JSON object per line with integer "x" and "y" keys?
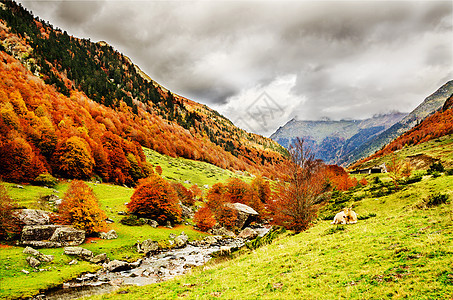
{"x": 330, "y": 139}
{"x": 429, "y": 106}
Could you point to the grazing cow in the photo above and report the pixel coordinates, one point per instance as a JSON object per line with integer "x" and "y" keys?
{"x": 347, "y": 216}
{"x": 340, "y": 218}
{"x": 351, "y": 216}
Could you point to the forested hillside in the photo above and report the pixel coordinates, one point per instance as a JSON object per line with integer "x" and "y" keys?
{"x": 435, "y": 126}
{"x": 65, "y": 99}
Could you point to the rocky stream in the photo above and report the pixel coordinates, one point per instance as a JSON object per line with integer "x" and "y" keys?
{"x": 156, "y": 267}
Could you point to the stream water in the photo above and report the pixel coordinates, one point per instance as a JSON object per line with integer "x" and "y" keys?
{"x": 156, "y": 268}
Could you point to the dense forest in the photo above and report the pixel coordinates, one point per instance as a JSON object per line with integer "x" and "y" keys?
{"x": 63, "y": 96}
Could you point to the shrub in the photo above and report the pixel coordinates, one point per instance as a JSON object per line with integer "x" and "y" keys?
{"x": 261, "y": 188}
{"x": 227, "y": 217}
{"x": 196, "y": 191}
{"x": 155, "y": 199}
{"x": 363, "y": 182}
{"x": 414, "y": 179}
{"x": 80, "y": 208}
{"x": 159, "y": 170}
{"x": 204, "y": 219}
{"x": 435, "y": 174}
{"x": 449, "y": 172}
{"x": 364, "y": 217}
{"x": 9, "y": 224}
{"x": 436, "y": 167}
{"x": 45, "y": 179}
{"x": 132, "y": 220}
{"x": 436, "y": 199}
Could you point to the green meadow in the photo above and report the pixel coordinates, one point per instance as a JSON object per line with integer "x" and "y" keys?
{"x": 191, "y": 172}
{"x": 401, "y": 251}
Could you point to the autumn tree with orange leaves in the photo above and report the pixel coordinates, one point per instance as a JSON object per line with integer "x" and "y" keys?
{"x": 204, "y": 218}
{"x": 398, "y": 169}
{"x": 155, "y": 198}
{"x": 80, "y": 208}
{"x": 298, "y": 198}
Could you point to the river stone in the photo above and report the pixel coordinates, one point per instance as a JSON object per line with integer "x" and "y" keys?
{"x": 99, "y": 259}
{"x": 222, "y": 231}
{"x": 117, "y": 266}
{"x": 33, "y": 216}
{"x": 181, "y": 240}
{"x": 211, "y": 239}
{"x": 248, "y": 233}
{"x": 111, "y": 235}
{"x": 33, "y": 262}
{"x": 148, "y": 246}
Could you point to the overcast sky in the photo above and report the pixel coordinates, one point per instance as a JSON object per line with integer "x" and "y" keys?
{"x": 262, "y": 63}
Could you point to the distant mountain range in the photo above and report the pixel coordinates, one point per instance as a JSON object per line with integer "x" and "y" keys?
{"x": 345, "y": 141}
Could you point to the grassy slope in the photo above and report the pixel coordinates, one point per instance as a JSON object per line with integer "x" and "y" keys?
{"x": 14, "y": 283}
{"x": 190, "y": 171}
{"x": 402, "y": 252}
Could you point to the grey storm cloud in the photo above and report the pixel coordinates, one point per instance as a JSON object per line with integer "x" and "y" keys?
{"x": 347, "y": 59}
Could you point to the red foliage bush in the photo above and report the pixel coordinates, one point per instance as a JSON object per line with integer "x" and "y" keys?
{"x": 204, "y": 218}
{"x": 184, "y": 195}
{"x": 80, "y": 208}
{"x": 262, "y": 188}
{"x": 339, "y": 178}
{"x": 158, "y": 170}
{"x": 238, "y": 191}
{"x": 155, "y": 198}
{"x": 227, "y": 216}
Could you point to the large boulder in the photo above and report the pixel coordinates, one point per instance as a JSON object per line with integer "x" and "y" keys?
{"x": 181, "y": 240}
{"x": 245, "y": 214}
{"x": 68, "y": 236}
{"x": 86, "y": 254}
{"x": 51, "y": 236}
{"x": 33, "y": 216}
{"x": 118, "y": 265}
{"x": 248, "y": 233}
{"x": 148, "y": 246}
